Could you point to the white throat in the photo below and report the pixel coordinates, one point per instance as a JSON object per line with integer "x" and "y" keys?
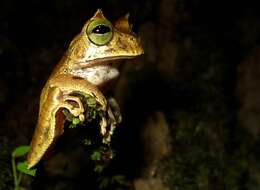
{"x": 97, "y": 75}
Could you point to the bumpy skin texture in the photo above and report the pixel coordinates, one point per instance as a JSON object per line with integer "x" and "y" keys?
{"x": 84, "y": 68}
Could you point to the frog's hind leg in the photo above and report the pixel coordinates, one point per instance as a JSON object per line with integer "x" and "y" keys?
{"x": 45, "y": 131}
{"x": 49, "y": 126}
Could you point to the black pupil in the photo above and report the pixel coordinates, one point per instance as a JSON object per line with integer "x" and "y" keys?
{"x": 101, "y": 29}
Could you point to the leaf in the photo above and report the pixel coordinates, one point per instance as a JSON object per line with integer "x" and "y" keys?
{"x": 20, "y": 151}
{"x": 104, "y": 182}
{"x": 87, "y": 142}
{"x": 96, "y": 155}
{"x": 120, "y": 179}
{"x": 23, "y": 167}
{"x": 91, "y": 101}
{"x": 99, "y": 168}
{"x": 71, "y": 126}
{"x": 75, "y": 121}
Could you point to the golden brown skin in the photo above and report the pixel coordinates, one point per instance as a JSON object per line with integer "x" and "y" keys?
{"x": 84, "y": 68}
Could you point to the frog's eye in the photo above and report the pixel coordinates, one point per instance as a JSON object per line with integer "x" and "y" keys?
{"x": 100, "y": 32}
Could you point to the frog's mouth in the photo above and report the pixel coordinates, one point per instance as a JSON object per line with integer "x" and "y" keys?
{"x": 112, "y": 61}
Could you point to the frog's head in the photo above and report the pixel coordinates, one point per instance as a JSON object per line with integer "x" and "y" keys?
{"x": 101, "y": 41}
{"x": 93, "y": 52}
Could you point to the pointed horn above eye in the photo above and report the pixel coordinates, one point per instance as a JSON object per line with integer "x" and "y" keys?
{"x": 123, "y": 25}
{"x": 99, "y": 14}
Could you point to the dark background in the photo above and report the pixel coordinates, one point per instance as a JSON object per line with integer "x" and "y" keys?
{"x": 190, "y": 105}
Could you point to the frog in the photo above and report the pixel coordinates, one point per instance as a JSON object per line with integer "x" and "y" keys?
{"x": 87, "y": 66}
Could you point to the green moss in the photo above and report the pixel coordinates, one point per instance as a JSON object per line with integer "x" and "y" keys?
{"x": 99, "y": 148}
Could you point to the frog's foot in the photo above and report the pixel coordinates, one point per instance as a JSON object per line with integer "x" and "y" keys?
{"x": 108, "y": 125}
{"x": 114, "y": 110}
{"x": 106, "y": 122}
{"x": 76, "y": 111}
{"x": 103, "y": 126}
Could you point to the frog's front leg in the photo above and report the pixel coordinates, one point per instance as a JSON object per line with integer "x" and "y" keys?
{"x": 76, "y": 112}
{"x": 47, "y": 126}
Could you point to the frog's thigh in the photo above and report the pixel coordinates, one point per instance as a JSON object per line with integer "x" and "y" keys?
{"x": 48, "y": 125}
{"x": 45, "y": 131}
